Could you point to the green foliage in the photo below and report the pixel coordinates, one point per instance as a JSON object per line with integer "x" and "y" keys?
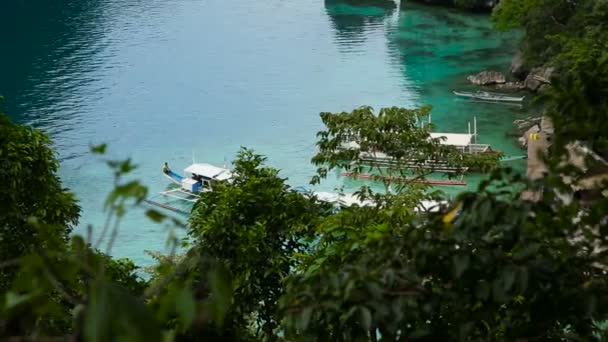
{"x": 562, "y": 33}
{"x": 393, "y": 143}
{"x": 574, "y": 103}
{"x": 30, "y": 195}
{"x": 254, "y": 226}
{"x": 266, "y": 263}
{"x": 508, "y": 269}
{"x": 75, "y": 290}
{"x": 510, "y": 14}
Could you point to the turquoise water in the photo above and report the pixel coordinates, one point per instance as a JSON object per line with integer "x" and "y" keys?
{"x": 161, "y": 80}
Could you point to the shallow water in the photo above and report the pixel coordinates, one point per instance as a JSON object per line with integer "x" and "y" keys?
{"x": 161, "y": 80}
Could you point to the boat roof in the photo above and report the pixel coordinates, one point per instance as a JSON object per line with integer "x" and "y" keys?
{"x": 454, "y": 139}
{"x": 351, "y": 199}
{"x": 209, "y": 171}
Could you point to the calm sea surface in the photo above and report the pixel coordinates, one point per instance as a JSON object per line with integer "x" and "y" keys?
{"x": 159, "y": 80}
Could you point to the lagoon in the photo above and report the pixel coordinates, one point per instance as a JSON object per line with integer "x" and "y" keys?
{"x": 161, "y": 80}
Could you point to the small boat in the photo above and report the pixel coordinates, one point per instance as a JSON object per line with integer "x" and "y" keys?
{"x": 345, "y": 200}
{"x": 198, "y": 178}
{"x": 487, "y": 96}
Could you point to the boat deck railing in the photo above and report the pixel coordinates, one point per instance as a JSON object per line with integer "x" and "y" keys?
{"x": 175, "y": 194}
{"x": 439, "y": 166}
{"x": 474, "y": 148}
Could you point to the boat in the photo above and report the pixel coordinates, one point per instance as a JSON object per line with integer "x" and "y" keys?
{"x": 463, "y": 142}
{"x": 487, "y": 96}
{"x": 446, "y": 182}
{"x": 345, "y": 200}
{"x": 198, "y": 178}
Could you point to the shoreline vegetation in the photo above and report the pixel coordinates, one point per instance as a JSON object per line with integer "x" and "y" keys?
{"x": 519, "y": 259}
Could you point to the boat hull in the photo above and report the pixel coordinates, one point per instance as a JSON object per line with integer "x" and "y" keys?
{"x": 490, "y": 97}
{"x": 173, "y": 177}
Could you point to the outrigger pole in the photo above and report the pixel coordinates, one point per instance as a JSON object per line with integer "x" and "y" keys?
{"x": 165, "y": 206}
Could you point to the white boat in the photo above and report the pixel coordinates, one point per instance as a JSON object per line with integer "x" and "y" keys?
{"x": 198, "y": 178}
{"x": 341, "y": 200}
{"x": 487, "y": 96}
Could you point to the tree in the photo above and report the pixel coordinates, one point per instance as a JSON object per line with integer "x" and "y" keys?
{"x": 30, "y": 192}
{"x": 393, "y": 143}
{"x": 254, "y": 226}
{"x": 507, "y": 269}
{"x": 560, "y": 33}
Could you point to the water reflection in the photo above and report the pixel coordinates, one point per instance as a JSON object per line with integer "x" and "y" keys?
{"x": 353, "y": 19}
{"x": 436, "y": 49}
{"x": 51, "y": 46}
{"x": 433, "y": 45}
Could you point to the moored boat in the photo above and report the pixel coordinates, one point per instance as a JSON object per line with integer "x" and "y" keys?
{"x": 198, "y": 178}
{"x": 487, "y": 96}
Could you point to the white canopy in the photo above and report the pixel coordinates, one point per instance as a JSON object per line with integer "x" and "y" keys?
{"x": 209, "y": 171}
{"x": 454, "y": 139}
{"x": 350, "y": 199}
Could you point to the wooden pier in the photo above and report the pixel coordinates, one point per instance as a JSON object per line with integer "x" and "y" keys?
{"x": 404, "y": 179}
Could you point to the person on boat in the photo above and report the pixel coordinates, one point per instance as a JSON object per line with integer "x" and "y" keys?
{"x": 166, "y": 168}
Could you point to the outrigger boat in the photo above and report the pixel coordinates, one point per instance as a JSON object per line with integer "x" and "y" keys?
{"x": 198, "y": 178}
{"x": 344, "y": 200}
{"x": 487, "y": 96}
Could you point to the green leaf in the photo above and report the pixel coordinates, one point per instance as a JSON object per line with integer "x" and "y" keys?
{"x": 114, "y": 312}
{"x": 99, "y": 149}
{"x": 98, "y": 317}
{"x": 482, "y": 290}
{"x": 305, "y": 315}
{"x": 185, "y": 306}
{"x": 508, "y": 278}
{"x": 221, "y": 288}
{"x": 460, "y": 264}
{"x": 13, "y": 299}
{"x": 365, "y": 317}
{"x": 155, "y": 215}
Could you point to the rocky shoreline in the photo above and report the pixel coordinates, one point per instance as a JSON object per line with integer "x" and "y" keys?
{"x": 535, "y": 80}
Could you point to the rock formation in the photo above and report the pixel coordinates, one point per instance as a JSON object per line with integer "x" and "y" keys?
{"x": 538, "y": 77}
{"x": 518, "y": 67}
{"x": 487, "y": 78}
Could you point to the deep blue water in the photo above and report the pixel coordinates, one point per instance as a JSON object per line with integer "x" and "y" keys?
{"x": 161, "y": 80}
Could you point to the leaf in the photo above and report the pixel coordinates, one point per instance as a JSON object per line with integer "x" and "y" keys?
{"x": 97, "y": 322}
{"x": 482, "y": 291}
{"x": 222, "y": 291}
{"x": 349, "y": 289}
{"x": 460, "y": 264}
{"x": 99, "y": 149}
{"x": 305, "y": 315}
{"x": 13, "y": 299}
{"x": 114, "y": 312}
{"x": 365, "y": 317}
{"x": 508, "y": 278}
{"x": 185, "y": 305}
{"x": 155, "y": 215}
{"x": 527, "y": 251}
